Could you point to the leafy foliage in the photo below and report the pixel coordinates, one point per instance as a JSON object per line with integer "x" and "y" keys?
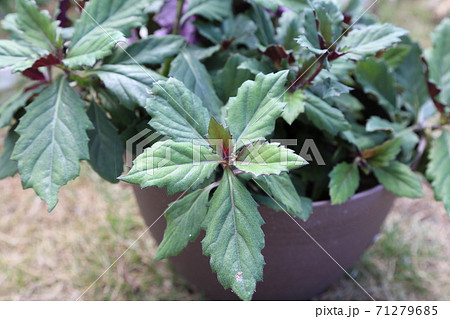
{"x": 231, "y": 76}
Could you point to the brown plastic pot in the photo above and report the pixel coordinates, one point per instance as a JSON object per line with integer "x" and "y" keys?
{"x": 296, "y": 267}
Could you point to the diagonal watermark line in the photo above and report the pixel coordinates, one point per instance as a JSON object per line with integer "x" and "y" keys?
{"x": 318, "y": 244}
{"x": 133, "y": 59}
{"x": 129, "y": 247}
{"x": 317, "y": 60}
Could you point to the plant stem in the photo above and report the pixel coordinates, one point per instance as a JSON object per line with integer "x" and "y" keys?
{"x": 175, "y": 30}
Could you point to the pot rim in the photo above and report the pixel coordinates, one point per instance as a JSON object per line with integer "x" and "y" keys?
{"x": 368, "y": 192}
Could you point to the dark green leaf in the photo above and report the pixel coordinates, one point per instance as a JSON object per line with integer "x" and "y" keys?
{"x": 234, "y": 238}
{"x": 375, "y": 78}
{"x": 196, "y": 78}
{"x": 105, "y": 146}
{"x": 53, "y": 140}
{"x": 265, "y": 31}
{"x": 177, "y": 165}
{"x": 310, "y": 39}
{"x": 344, "y": 180}
{"x": 399, "y": 179}
{"x": 381, "y": 155}
{"x": 230, "y": 78}
{"x": 184, "y": 220}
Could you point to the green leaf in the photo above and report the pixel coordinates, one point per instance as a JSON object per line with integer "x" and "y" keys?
{"x": 95, "y": 45}
{"x": 376, "y": 123}
{"x": 265, "y": 31}
{"x": 219, "y": 138}
{"x": 230, "y": 78}
{"x": 310, "y": 39}
{"x": 381, "y": 155}
{"x": 102, "y": 25}
{"x": 18, "y": 54}
{"x": 282, "y": 190}
{"x": 152, "y": 50}
{"x": 294, "y": 5}
{"x": 105, "y": 146}
{"x": 294, "y": 107}
{"x": 399, "y": 179}
{"x": 195, "y": 77}
{"x": 344, "y": 180}
{"x": 251, "y": 115}
{"x": 290, "y": 24}
{"x": 367, "y": 41}
{"x": 324, "y": 115}
{"x": 53, "y": 140}
{"x": 411, "y": 76}
{"x": 210, "y": 9}
{"x": 438, "y": 170}
{"x": 439, "y": 59}
{"x": 375, "y": 78}
{"x": 8, "y": 167}
{"x": 177, "y": 112}
{"x": 184, "y": 220}
{"x": 395, "y": 56}
{"x": 12, "y": 105}
{"x": 130, "y": 83}
{"x": 177, "y": 165}
{"x": 267, "y": 158}
{"x": 234, "y": 238}
{"x": 37, "y": 26}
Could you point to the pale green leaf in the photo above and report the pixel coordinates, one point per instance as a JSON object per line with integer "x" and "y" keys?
{"x": 18, "y": 54}
{"x": 105, "y": 146}
{"x": 196, "y": 78}
{"x": 439, "y": 59}
{"x": 102, "y": 25}
{"x": 267, "y": 158}
{"x": 234, "y": 238}
{"x": 438, "y": 170}
{"x": 251, "y": 115}
{"x": 184, "y": 220}
{"x": 210, "y": 9}
{"x": 367, "y": 41}
{"x": 130, "y": 83}
{"x": 177, "y": 165}
{"x": 294, "y": 107}
{"x": 152, "y": 50}
{"x": 8, "y": 167}
{"x": 53, "y": 140}
{"x": 13, "y": 104}
{"x": 344, "y": 180}
{"x": 282, "y": 190}
{"x": 37, "y": 26}
{"x": 399, "y": 179}
{"x": 177, "y": 112}
{"x": 324, "y": 115}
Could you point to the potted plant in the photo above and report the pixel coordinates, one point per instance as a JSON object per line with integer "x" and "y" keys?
{"x": 228, "y": 85}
